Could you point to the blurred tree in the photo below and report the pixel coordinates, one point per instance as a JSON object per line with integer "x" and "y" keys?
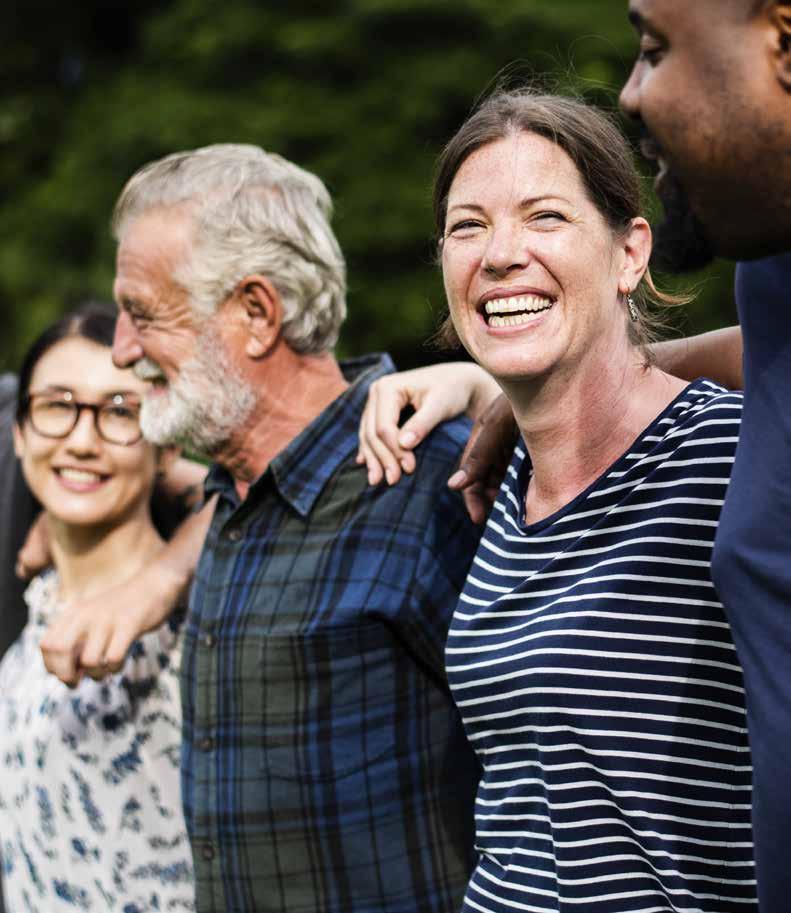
{"x": 363, "y": 92}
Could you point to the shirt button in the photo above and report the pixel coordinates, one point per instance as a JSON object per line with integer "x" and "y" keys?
{"x": 208, "y": 852}
{"x": 209, "y": 640}
{"x": 206, "y": 744}
{"x": 234, "y": 534}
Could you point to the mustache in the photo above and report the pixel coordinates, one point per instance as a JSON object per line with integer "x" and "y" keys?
{"x": 147, "y": 369}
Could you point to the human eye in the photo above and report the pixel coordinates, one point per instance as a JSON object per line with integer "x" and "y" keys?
{"x": 547, "y": 218}
{"x": 137, "y": 313}
{"x": 464, "y": 228}
{"x": 54, "y": 404}
{"x": 650, "y": 50}
{"x": 120, "y": 408}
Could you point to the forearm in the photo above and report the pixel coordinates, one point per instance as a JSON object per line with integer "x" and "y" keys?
{"x": 717, "y": 355}
{"x": 178, "y": 559}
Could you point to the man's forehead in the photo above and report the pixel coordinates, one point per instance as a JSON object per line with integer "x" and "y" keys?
{"x": 666, "y": 12}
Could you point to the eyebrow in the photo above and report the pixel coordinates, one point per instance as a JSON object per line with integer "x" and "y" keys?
{"x": 640, "y": 22}
{"x": 526, "y": 203}
{"x": 103, "y": 397}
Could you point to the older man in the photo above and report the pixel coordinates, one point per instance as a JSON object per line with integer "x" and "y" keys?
{"x": 324, "y": 766}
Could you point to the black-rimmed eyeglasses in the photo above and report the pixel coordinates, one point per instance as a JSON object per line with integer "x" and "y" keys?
{"x": 55, "y": 415}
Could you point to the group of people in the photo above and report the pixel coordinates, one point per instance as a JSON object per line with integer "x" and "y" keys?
{"x": 328, "y": 695}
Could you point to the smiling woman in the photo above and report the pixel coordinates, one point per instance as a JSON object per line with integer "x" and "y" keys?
{"x": 589, "y": 654}
{"x": 90, "y": 809}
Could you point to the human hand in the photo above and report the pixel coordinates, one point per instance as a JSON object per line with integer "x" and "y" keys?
{"x": 94, "y": 637}
{"x": 436, "y": 393}
{"x": 485, "y": 459}
{"x": 34, "y": 556}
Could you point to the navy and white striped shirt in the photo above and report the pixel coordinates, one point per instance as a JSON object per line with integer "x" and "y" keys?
{"x": 598, "y": 682}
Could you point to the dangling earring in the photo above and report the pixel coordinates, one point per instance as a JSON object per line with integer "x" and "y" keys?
{"x": 632, "y": 307}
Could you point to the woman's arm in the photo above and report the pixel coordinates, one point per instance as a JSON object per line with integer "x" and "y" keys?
{"x": 441, "y": 392}
{"x": 437, "y": 393}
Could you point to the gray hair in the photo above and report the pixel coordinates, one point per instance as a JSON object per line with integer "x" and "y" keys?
{"x": 254, "y": 212}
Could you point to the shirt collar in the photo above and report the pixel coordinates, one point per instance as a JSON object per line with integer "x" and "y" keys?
{"x": 304, "y": 467}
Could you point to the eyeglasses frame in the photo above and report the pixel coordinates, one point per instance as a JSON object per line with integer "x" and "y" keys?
{"x": 95, "y": 408}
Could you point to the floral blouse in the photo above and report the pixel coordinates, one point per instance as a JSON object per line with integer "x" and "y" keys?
{"x": 90, "y": 797}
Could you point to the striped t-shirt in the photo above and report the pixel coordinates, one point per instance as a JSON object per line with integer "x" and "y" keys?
{"x": 598, "y": 682}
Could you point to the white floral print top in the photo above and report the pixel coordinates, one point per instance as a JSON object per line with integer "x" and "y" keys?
{"x": 90, "y": 796}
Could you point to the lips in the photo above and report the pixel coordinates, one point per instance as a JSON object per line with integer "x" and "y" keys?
{"x": 652, "y": 152}
{"x": 78, "y": 479}
{"x": 501, "y": 309}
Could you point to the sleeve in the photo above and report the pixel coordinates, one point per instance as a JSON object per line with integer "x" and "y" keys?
{"x": 18, "y": 508}
{"x": 448, "y": 545}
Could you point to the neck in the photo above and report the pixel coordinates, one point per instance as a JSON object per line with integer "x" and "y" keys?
{"x": 292, "y": 390}
{"x": 575, "y": 427}
{"x": 92, "y": 559}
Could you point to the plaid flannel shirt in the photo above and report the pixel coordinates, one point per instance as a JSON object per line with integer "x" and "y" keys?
{"x": 324, "y": 765}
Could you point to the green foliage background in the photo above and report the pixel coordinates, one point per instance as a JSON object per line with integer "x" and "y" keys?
{"x": 363, "y": 92}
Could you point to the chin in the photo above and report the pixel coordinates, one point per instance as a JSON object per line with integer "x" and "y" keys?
{"x": 682, "y": 242}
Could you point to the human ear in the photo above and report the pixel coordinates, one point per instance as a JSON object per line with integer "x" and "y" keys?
{"x": 263, "y": 314}
{"x": 781, "y": 21}
{"x": 636, "y": 245}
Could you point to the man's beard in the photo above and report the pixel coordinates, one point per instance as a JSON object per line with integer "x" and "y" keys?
{"x": 681, "y": 243}
{"x": 202, "y": 407}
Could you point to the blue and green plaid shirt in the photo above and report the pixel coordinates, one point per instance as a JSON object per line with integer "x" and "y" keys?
{"x": 324, "y": 765}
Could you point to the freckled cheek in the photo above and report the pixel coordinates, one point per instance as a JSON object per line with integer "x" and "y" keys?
{"x": 458, "y": 274}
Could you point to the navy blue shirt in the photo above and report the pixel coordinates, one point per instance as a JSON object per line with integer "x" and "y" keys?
{"x": 752, "y": 563}
{"x": 598, "y": 682}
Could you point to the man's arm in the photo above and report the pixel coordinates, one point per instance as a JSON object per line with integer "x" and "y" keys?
{"x": 94, "y": 637}
{"x": 717, "y": 355}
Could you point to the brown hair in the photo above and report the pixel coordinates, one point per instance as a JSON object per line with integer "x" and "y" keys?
{"x": 599, "y": 151}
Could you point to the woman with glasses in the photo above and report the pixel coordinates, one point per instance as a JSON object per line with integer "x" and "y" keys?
{"x": 90, "y": 803}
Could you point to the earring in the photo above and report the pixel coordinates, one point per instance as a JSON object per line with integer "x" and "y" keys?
{"x": 632, "y": 308}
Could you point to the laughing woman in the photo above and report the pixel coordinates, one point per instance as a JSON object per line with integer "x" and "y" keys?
{"x": 90, "y": 803}
{"x": 589, "y": 654}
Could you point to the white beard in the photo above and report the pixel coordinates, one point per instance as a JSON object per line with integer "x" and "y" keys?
{"x": 205, "y": 404}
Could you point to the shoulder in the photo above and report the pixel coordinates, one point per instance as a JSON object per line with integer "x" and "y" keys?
{"x": 703, "y": 410}
{"x": 694, "y": 440}
{"x": 445, "y": 443}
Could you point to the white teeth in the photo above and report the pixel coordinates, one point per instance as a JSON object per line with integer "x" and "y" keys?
{"x": 514, "y": 320}
{"x": 80, "y": 475}
{"x": 530, "y": 303}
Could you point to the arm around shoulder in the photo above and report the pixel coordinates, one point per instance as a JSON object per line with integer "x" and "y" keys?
{"x": 94, "y": 637}
{"x": 717, "y": 354}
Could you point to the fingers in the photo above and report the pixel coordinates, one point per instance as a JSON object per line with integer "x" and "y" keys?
{"x": 436, "y": 394}
{"x": 492, "y": 438}
{"x": 60, "y": 648}
{"x": 92, "y": 659}
{"x": 77, "y": 646}
{"x": 379, "y": 448}
{"x": 485, "y": 459}
{"x": 121, "y": 640}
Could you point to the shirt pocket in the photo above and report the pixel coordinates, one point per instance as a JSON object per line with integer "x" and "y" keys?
{"x": 329, "y": 700}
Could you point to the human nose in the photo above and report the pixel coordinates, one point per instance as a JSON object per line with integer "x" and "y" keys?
{"x": 505, "y": 252}
{"x": 126, "y": 343}
{"x": 84, "y": 436}
{"x": 629, "y": 99}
